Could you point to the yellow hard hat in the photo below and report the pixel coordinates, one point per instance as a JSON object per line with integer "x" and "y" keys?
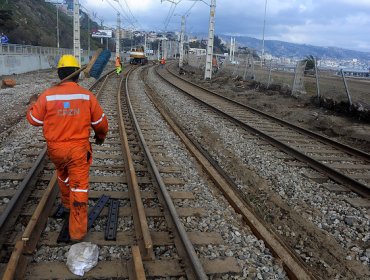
{"x": 68, "y": 60}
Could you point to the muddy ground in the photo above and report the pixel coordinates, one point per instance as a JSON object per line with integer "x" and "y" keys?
{"x": 345, "y": 126}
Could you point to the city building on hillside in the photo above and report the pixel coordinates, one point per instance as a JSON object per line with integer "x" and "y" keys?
{"x": 355, "y": 73}
{"x": 198, "y": 52}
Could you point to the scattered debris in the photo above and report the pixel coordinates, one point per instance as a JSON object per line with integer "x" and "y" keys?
{"x": 82, "y": 257}
{"x": 8, "y": 83}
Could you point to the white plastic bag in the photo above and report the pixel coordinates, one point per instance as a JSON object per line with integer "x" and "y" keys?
{"x": 82, "y": 257}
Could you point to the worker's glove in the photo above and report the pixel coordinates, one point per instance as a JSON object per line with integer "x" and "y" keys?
{"x": 33, "y": 99}
{"x": 98, "y": 140}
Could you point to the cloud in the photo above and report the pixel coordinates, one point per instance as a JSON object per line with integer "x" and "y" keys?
{"x": 341, "y": 23}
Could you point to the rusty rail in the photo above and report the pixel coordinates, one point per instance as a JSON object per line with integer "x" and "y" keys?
{"x": 140, "y": 221}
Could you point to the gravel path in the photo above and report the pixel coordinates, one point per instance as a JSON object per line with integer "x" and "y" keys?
{"x": 243, "y": 157}
{"x": 239, "y": 242}
{"x": 251, "y": 166}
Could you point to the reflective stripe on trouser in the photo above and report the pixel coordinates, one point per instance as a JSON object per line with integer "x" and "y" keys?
{"x": 63, "y": 182}
{"x": 73, "y": 162}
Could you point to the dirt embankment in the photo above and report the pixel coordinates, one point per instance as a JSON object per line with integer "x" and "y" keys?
{"x": 327, "y": 116}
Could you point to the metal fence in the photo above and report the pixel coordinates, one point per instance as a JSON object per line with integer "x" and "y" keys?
{"x": 291, "y": 78}
{"x": 28, "y": 49}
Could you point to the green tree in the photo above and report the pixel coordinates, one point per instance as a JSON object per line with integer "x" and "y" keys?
{"x": 310, "y": 63}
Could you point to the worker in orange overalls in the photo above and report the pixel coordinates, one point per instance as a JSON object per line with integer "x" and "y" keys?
{"x": 118, "y": 65}
{"x": 163, "y": 62}
{"x": 67, "y": 112}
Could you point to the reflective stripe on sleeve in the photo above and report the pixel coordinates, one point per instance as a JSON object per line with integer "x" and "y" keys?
{"x": 78, "y": 190}
{"x": 67, "y": 97}
{"x": 99, "y": 120}
{"x": 36, "y": 120}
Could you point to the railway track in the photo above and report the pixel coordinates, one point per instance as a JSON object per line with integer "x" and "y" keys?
{"x": 150, "y": 240}
{"x": 237, "y": 150}
{"x": 343, "y": 164}
{"x": 143, "y": 195}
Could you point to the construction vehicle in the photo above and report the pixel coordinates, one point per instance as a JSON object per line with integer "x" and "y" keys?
{"x": 138, "y": 56}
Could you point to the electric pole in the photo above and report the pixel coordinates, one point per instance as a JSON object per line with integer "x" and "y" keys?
{"x": 211, "y": 33}
{"x": 234, "y": 47}
{"x": 231, "y": 48}
{"x": 88, "y": 35}
{"x": 76, "y": 31}
{"x": 181, "y": 49}
{"x": 117, "y": 34}
{"x": 263, "y": 35}
{"x": 57, "y": 25}
{"x": 144, "y": 42}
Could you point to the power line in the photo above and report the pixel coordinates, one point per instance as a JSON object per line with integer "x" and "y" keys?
{"x": 128, "y": 7}
{"x": 169, "y": 15}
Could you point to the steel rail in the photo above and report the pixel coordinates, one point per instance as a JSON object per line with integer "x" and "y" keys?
{"x": 188, "y": 246}
{"x": 350, "y": 150}
{"x": 11, "y": 212}
{"x": 333, "y": 174}
{"x": 140, "y": 220}
{"x": 295, "y": 268}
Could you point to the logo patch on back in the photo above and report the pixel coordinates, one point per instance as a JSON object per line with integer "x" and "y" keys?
{"x": 66, "y": 105}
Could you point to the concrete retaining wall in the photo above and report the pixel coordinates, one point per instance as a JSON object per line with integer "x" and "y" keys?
{"x": 22, "y": 63}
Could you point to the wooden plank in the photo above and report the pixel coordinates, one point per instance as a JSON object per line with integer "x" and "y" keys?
{"x": 319, "y": 151}
{"x": 169, "y": 268}
{"x": 225, "y": 265}
{"x": 107, "y": 156}
{"x": 326, "y": 158}
{"x": 94, "y": 166}
{"x": 125, "y": 195}
{"x": 317, "y": 177}
{"x": 127, "y": 238}
{"x": 12, "y": 176}
{"x": 150, "y": 212}
{"x": 292, "y": 140}
{"x": 137, "y": 263}
{"x": 7, "y": 192}
{"x": 103, "y": 148}
{"x": 359, "y": 202}
{"x": 296, "y": 163}
{"x": 52, "y": 270}
{"x": 350, "y": 166}
{"x": 122, "y": 179}
{"x": 30, "y": 153}
{"x": 335, "y": 188}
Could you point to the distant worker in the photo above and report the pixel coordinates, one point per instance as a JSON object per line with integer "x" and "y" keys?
{"x": 214, "y": 65}
{"x": 67, "y": 112}
{"x": 118, "y": 65}
{"x": 4, "y": 39}
{"x": 163, "y": 62}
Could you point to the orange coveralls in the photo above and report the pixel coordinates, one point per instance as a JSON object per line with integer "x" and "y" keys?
{"x": 118, "y": 65}
{"x": 67, "y": 112}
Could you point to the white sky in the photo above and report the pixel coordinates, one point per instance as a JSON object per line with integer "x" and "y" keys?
{"x": 338, "y": 23}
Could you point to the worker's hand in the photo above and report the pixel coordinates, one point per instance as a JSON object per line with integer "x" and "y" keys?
{"x": 98, "y": 140}
{"x": 33, "y": 99}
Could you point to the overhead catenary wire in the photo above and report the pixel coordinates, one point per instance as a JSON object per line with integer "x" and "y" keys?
{"x": 169, "y": 15}
{"x": 130, "y": 11}
{"x": 126, "y": 19}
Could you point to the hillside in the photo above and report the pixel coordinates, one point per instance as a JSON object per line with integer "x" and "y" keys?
{"x": 33, "y": 22}
{"x": 280, "y": 48}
